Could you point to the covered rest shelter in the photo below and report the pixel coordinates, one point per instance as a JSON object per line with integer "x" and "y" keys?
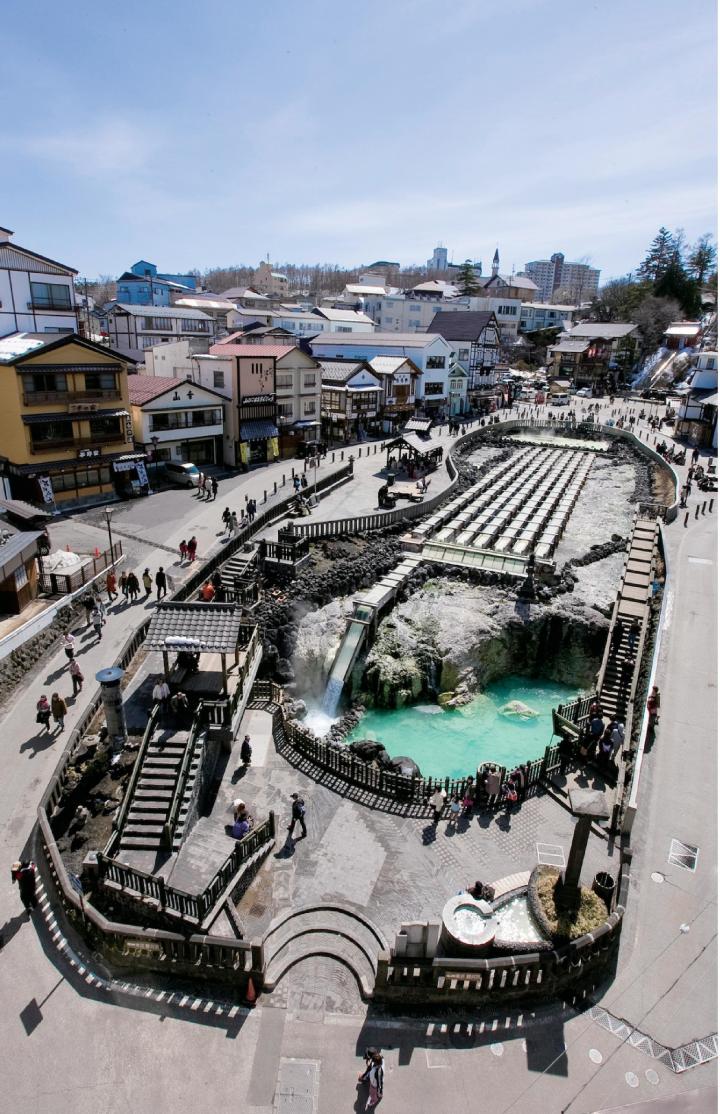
{"x": 194, "y": 629}
{"x": 413, "y": 449}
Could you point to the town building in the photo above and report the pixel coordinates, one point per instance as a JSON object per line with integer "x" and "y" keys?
{"x": 66, "y": 432}
{"x": 211, "y": 304}
{"x": 439, "y": 261}
{"x": 143, "y": 285}
{"x": 268, "y": 281}
{"x": 133, "y": 329}
{"x": 578, "y": 281}
{"x": 594, "y": 353}
{"x": 399, "y": 377}
{"x": 275, "y": 391}
{"x": 37, "y": 294}
{"x": 457, "y": 390}
{"x": 429, "y": 352}
{"x": 351, "y": 404}
{"x": 475, "y": 338}
{"x": 302, "y": 323}
{"x": 19, "y": 579}
{"x": 535, "y": 316}
{"x": 683, "y": 334}
{"x": 697, "y": 413}
{"x": 175, "y": 358}
{"x": 176, "y": 419}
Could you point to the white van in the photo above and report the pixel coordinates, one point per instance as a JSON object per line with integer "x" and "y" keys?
{"x": 560, "y": 400}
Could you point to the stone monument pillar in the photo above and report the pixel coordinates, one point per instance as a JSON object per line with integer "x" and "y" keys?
{"x": 587, "y": 805}
{"x": 113, "y": 704}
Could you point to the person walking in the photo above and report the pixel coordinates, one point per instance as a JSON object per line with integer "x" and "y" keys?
{"x": 133, "y": 586}
{"x": 23, "y": 872}
{"x": 297, "y": 816}
{"x": 616, "y": 637}
{"x": 124, "y": 584}
{"x": 633, "y": 635}
{"x": 69, "y": 645}
{"x": 42, "y": 715}
{"x": 252, "y": 509}
{"x": 77, "y": 677}
{"x": 192, "y": 549}
{"x": 97, "y": 621}
{"x": 59, "y": 710}
{"x": 438, "y": 803}
{"x": 214, "y": 487}
{"x": 246, "y": 751}
{"x": 653, "y": 706}
{"x": 234, "y": 527}
{"x": 147, "y": 582}
{"x": 111, "y": 586}
{"x": 183, "y": 550}
{"x": 161, "y": 693}
{"x": 161, "y": 583}
{"x": 100, "y": 606}
{"x": 374, "y": 1076}
{"x": 208, "y": 592}
{"x": 88, "y": 604}
{"x": 225, "y": 518}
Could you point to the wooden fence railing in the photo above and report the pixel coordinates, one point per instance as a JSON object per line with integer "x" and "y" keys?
{"x": 64, "y": 583}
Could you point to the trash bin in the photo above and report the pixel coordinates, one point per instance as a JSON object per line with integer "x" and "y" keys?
{"x": 604, "y": 886}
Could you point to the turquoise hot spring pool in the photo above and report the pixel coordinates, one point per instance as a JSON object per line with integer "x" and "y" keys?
{"x": 453, "y": 742}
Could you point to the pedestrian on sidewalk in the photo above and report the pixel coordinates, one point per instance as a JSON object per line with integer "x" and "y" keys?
{"x": 252, "y": 510}
{"x": 111, "y": 586}
{"x": 653, "y": 707}
{"x": 101, "y": 608}
{"x": 124, "y": 585}
{"x": 226, "y": 519}
{"x": 77, "y": 677}
{"x": 147, "y": 582}
{"x": 59, "y": 710}
{"x": 183, "y": 550}
{"x": 23, "y": 872}
{"x": 88, "y": 604}
{"x": 200, "y": 486}
{"x": 438, "y": 804}
{"x": 208, "y": 592}
{"x": 192, "y": 549}
{"x": 69, "y": 645}
{"x": 133, "y": 586}
{"x": 208, "y": 489}
{"x": 42, "y": 715}
{"x": 161, "y": 583}
{"x": 97, "y": 621}
{"x": 297, "y": 816}
{"x": 234, "y": 527}
{"x": 214, "y": 485}
{"x": 374, "y": 1076}
{"x": 246, "y": 751}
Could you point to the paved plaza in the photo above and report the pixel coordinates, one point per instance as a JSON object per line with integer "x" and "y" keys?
{"x": 76, "y": 1043}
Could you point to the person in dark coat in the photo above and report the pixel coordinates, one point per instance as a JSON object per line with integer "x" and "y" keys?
{"x": 161, "y": 582}
{"x": 24, "y": 874}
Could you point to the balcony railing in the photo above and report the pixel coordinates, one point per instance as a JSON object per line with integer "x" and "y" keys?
{"x": 51, "y": 446}
{"x": 40, "y": 398}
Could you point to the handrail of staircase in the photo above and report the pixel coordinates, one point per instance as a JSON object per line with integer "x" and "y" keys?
{"x": 121, "y": 814}
{"x": 170, "y": 825}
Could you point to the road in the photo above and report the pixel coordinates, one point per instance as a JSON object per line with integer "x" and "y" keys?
{"x": 67, "y": 1047}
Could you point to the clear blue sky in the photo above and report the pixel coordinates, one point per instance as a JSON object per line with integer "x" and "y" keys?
{"x": 197, "y": 133}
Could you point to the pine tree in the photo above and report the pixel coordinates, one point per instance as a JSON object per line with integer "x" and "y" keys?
{"x": 701, "y": 258}
{"x": 467, "y": 280}
{"x": 660, "y": 255}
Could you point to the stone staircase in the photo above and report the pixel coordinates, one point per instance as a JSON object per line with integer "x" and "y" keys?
{"x": 152, "y": 799}
{"x": 235, "y": 566}
{"x": 323, "y": 930}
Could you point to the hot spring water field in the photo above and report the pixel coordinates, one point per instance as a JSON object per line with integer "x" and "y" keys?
{"x": 453, "y": 742}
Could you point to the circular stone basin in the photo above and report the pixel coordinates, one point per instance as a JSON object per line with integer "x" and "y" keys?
{"x": 468, "y": 925}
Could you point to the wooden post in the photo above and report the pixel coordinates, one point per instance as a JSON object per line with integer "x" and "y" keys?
{"x": 166, "y": 664}
{"x": 224, "y": 672}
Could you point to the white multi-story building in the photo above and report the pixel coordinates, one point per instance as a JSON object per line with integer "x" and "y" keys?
{"x": 176, "y": 419}
{"x": 132, "y": 329}
{"x": 37, "y": 294}
{"x": 303, "y": 323}
{"x": 535, "y": 316}
{"x": 579, "y": 280}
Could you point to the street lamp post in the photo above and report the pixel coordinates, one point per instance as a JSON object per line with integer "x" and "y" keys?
{"x": 155, "y": 442}
{"x": 108, "y": 512}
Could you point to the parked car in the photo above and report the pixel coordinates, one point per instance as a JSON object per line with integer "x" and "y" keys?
{"x": 180, "y": 473}
{"x": 560, "y": 400}
{"x": 584, "y": 392}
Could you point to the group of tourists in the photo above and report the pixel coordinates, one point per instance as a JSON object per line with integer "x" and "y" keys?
{"x": 207, "y": 488}
{"x": 490, "y": 789}
{"x": 188, "y": 549}
{"x": 232, "y": 524}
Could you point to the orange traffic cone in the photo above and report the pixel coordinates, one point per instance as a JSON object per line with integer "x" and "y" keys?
{"x": 97, "y": 552}
{"x": 250, "y": 993}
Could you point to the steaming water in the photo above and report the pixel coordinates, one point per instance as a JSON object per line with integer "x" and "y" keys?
{"x": 453, "y": 742}
{"x": 516, "y": 923}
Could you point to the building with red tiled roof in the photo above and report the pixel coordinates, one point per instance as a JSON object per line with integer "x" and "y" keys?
{"x": 177, "y": 419}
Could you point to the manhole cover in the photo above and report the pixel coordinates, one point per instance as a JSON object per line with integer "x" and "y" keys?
{"x": 258, "y": 909}
{"x": 656, "y": 876}
{"x": 684, "y": 855}
{"x": 652, "y": 1076}
{"x": 631, "y": 1079}
{"x": 595, "y": 1055}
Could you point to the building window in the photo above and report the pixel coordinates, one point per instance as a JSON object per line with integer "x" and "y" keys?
{"x": 308, "y": 407}
{"x": 435, "y": 362}
{"x": 158, "y": 324}
{"x": 184, "y": 419}
{"x": 284, "y": 383}
{"x": 195, "y": 326}
{"x": 464, "y": 354}
{"x": 49, "y": 434}
{"x": 44, "y": 383}
{"x": 100, "y": 381}
{"x": 50, "y": 295}
{"x": 414, "y": 323}
{"x": 508, "y": 311}
{"x": 309, "y": 380}
{"x": 218, "y": 379}
{"x": 433, "y": 388}
{"x": 285, "y": 409}
{"x": 106, "y": 428}
{"x": 344, "y": 329}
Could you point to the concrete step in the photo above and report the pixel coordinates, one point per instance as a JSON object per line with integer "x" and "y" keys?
{"x": 138, "y": 843}
{"x": 322, "y": 944}
{"x": 152, "y": 794}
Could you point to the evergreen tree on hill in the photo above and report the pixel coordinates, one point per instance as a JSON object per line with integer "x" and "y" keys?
{"x": 466, "y": 279}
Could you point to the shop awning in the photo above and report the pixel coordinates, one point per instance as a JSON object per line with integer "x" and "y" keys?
{"x": 257, "y": 430}
{"x": 34, "y": 419}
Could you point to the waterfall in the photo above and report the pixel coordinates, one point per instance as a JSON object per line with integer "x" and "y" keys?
{"x": 341, "y": 666}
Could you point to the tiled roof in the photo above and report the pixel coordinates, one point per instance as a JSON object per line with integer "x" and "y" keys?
{"x": 143, "y": 388}
{"x": 339, "y": 371}
{"x": 375, "y": 340}
{"x": 577, "y": 345}
{"x": 231, "y": 347}
{"x": 345, "y": 315}
{"x": 258, "y": 430}
{"x": 208, "y": 627}
{"x": 455, "y": 325}
{"x": 603, "y": 329}
{"x": 161, "y": 311}
{"x": 388, "y": 365}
